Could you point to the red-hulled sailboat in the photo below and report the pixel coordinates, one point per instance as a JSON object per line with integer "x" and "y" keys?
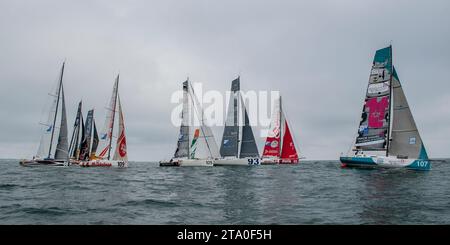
{"x": 279, "y": 147}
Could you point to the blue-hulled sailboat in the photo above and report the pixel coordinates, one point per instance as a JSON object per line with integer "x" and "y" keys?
{"x": 387, "y": 136}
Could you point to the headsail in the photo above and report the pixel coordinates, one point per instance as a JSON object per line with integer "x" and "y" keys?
{"x": 248, "y": 142}
{"x": 288, "y": 150}
{"x": 107, "y": 131}
{"x": 62, "y": 147}
{"x": 74, "y": 141}
{"x": 406, "y": 140}
{"x": 207, "y": 142}
{"x": 121, "y": 147}
{"x": 230, "y": 140}
{"x": 374, "y": 126}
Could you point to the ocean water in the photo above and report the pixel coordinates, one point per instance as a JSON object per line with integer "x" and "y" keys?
{"x": 313, "y": 192}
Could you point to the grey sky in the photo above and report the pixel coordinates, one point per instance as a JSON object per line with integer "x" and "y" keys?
{"x": 317, "y": 53}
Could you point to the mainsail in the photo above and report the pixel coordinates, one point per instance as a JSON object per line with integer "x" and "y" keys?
{"x": 62, "y": 147}
{"x": 107, "y": 132}
{"x": 273, "y": 141}
{"x": 230, "y": 140}
{"x": 194, "y": 143}
{"x": 375, "y": 119}
{"x": 406, "y": 141}
{"x": 45, "y": 144}
{"x": 121, "y": 147}
{"x": 183, "y": 138}
{"x": 94, "y": 143}
{"x": 85, "y": 145}
{"x": 74, "y": 141}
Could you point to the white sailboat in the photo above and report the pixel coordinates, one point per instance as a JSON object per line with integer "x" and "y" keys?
{"x": 44, "y": 155}
{"x": 279, "y": 147}
{"x": 238, "y": 146}
{"x": 120, "y": 158}
{"x": 202, "y": 150}
{"x": 387, "y": 136}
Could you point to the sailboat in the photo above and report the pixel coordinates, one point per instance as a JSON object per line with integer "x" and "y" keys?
{"x": 279, "y": 147}
{"x": 238, "y": 147}
{"x": 104, "y": 159}
{"x": 387, "y": 136}
{"x": 44, "y": 156}
{"x": 202, "y": 150}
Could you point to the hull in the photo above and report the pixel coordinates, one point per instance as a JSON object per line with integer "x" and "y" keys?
{"x": 41, "y": 163}
{"x": 385, "y": 162}
{"x": 238, "y": 162}
{"x": 187, "y": 163}
{"x": 103, "y": 163}
{"x": 280, "y": 161}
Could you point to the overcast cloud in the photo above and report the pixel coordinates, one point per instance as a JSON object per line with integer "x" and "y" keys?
{"x": 318, "y": 54}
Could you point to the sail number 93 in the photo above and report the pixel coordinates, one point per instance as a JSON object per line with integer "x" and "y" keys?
{"x": 253, "y": 161}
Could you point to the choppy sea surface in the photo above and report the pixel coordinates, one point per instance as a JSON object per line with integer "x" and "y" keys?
{"x": 313, "y": 192}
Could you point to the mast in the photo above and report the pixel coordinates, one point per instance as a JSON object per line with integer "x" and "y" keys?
{"x": 113, "y": 116}
{"x": 56, "y": 111}
{"x": 281, "y": 128}
{"x": 236, "y": 118}
{"x": 390, "y": 103}
{"x": 189, "y": 118}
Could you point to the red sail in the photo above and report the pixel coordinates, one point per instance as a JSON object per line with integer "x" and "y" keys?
{"x": 288, "y": 152}
{"x": 272, "y": 146}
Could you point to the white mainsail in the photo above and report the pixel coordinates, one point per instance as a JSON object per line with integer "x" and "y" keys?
{"x": 48, "y": 134}
{"x": 106, "y": 134}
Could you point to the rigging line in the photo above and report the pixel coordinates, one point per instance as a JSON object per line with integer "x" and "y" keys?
{"x": 388, "y": 140}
